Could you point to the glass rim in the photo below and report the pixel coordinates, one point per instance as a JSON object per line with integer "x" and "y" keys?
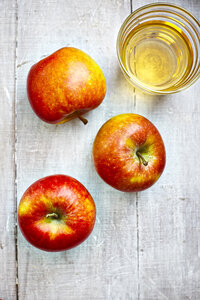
{"x": 136, "y": 82}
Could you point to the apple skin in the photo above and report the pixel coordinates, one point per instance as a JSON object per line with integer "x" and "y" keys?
{"x": 117, "y": 146}
{"x": 61, "y": 196}
{"x": 65, "y": 85}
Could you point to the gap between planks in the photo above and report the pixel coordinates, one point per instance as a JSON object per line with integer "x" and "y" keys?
{"x": 137, "y": 210}
{"x": 15, "y": 149}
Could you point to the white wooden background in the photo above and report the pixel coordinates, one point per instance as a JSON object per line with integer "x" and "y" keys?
{"x": 145, "y": 246}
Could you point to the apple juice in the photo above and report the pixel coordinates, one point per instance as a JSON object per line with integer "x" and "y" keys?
{"x": 158, "y": 54}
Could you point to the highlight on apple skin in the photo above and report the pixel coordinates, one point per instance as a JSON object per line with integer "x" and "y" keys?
{"x": 65, "y": 85}
{"x": 56, "y": 213}
{"x": 129, "y": 153}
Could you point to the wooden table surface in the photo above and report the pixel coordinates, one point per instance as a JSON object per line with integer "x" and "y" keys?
{"x": 145, "y": 246}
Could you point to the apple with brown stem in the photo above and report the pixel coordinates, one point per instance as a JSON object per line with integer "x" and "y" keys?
{"x": 56, "y": 213}
{"x": 65, "y": 85}
{"x": 129, "y": 153}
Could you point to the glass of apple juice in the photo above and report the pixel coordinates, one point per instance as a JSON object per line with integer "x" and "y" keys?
{"x": 158, "y": 48}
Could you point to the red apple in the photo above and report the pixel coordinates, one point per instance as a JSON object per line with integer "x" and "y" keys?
{"x": 56, "y": 213}
{"x": 129, "y": 153}
{"x": 65, "y": 85}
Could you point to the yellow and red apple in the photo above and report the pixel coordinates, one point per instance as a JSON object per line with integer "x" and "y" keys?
{"x": 56, "y": 213}
{"x": 65, "y": 85}
{"x": 129, "y": 153}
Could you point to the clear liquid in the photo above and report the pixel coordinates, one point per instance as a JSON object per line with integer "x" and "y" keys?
{"x": 158, "y": 55}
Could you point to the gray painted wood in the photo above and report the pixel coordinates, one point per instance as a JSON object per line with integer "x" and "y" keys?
{"x": 105, "y": 266}
{"x": 7, "y": 169}
{"x": 144, "y": 246}
{"x": 169, "y": 212}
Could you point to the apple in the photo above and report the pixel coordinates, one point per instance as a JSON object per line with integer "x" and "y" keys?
{"x": 129, "y": 153}
{"x": 56, "y": 213}
{"x": 65, "y": 85}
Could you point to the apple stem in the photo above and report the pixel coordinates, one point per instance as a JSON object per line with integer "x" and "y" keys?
{"x": 145, "y": 163}
{"x": 84, "y": 120}
{"x": 52, "y": 215}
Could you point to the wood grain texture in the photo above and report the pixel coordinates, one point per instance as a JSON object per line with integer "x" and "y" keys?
{"x": 7, "y": 178}
{"x": 105, "y": 266}
{"x": 169, "y": 212}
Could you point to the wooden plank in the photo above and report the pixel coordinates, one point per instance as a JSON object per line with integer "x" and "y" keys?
{"x": 169, "y": 213}
{"x": 105, "y": 266}
{"x": 7, "y": 178}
